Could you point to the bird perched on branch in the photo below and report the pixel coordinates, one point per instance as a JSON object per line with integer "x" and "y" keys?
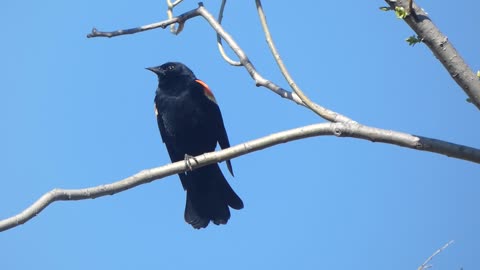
{"x": 191, "y": 124}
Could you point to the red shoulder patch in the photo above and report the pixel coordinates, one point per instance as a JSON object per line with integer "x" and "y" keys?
{"x": 206, "y": 90}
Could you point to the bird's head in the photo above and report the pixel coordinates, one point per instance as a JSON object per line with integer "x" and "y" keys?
{"x": 172, "y": 71}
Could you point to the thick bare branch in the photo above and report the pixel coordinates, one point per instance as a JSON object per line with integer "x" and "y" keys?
{"x": 442, "y": 48}
{"x": 337, "y": 129}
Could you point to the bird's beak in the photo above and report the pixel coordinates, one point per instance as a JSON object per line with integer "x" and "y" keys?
{"x": 157, "y": 70}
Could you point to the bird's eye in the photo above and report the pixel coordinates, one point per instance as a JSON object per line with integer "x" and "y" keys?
{"x": 170, "y": 67}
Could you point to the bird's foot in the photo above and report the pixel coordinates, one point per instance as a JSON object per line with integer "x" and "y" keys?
{"x": 188, "y": 161}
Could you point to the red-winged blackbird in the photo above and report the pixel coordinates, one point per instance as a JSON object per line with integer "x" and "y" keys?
{"x": 191, "y": 123}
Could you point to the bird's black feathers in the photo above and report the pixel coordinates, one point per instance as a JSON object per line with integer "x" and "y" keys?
{"x": 190, "y": 122}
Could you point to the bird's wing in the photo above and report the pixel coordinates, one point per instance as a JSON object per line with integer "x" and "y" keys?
{"x": 220, "y": 131}
{"x": 161, "y": 126}
{"x": 174, "y": 155}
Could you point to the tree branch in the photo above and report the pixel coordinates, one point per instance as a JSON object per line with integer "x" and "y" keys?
{"x": 425, "y": 264}
{"x": 276, "y": 55}
{"x": 421, "y": 143}
{"x": 180, "y": 19}
{"x": 442, "y": 48}
{"x": 170, "y": 7}
{"x": 219, "y": 39}
{"x": 244, "y": 60}
{"x": 337, "y": 129}
{"x": 259, "y": 80}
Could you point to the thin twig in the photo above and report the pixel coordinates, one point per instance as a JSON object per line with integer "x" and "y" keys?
{"x": 259, "y": 80}
{"x": 322, "y": 129}
{"x": 181, "y": 19}
{"x": 308, "y": 103}
{"x": 219, "y": 39}
{"x": 425, "y": 264}
{"x": 170, "y": 7}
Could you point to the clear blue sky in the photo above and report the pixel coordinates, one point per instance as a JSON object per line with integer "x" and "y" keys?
{"x": 78, "y": 112}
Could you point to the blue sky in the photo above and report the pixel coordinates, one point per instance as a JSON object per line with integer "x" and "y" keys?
{"x": 78, "y": 112}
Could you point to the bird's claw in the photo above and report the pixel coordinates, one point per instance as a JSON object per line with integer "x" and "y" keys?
{"x": 188, "y": 161}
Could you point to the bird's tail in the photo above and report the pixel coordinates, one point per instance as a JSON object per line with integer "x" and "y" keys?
{"x": 209, "y": 197}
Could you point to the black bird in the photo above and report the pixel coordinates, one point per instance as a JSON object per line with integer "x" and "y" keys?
{"x": 191, "y": 123}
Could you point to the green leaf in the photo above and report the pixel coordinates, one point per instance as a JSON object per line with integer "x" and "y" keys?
{"x": 412, "y": 40}
{"x": 385, "y": 8}
{"x": 400, "y": 12}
